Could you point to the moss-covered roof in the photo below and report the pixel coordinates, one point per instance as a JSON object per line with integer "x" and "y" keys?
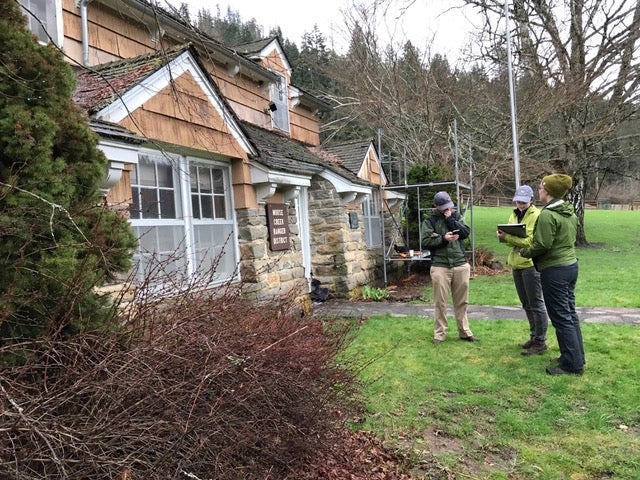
{"x": 279, "y": 152}
{"x": 254, "y": 47}
{"x": 103, "y": 84}
{"x": 352, "y": 152}
{"x": 113, "y": 130}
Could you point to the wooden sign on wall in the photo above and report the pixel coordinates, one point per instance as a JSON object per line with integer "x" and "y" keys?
{"x": 278, "y": 224}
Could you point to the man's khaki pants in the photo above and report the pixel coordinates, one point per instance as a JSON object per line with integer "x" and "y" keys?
{"x": 455, "y": 282}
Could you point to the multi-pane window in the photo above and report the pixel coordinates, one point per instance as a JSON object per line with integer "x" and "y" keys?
{"x": 42, "y": 19}
{"x": 371, "y": 217}
{"x": 153, "y": 188}
{"x": 208, "y": 196}
{"x": 182, "y": 237}
{"x": 213, "y": 232}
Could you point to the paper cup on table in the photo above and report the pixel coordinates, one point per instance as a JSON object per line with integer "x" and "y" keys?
{"x": 411, "y": 253}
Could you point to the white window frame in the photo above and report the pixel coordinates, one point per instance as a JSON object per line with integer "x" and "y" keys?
{"x": 371, "y": 218}
{"x": 47, "y": 26}
{"x": 184, "y": 250}
{"x": 279, "y": 96}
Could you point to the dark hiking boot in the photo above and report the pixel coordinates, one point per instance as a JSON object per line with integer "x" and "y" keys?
{"x": 561, "y": 371}
{"x": 470, "y": 339}
{"x": 556, "y": 361}
{"x": 535, "y": 349}
{"x": 528, "y": 344}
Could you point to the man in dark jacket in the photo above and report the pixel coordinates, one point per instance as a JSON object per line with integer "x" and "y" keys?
{"x": 442, "y": 233}
{"x": 554, "y": 255}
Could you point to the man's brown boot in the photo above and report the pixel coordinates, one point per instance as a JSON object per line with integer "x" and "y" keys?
{"x": 535, "y": 349}
{"x": 528, "y": 344}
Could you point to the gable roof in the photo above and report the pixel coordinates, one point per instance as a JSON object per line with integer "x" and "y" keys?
{"x": 352, "y": 153}
{"x": 280, "y": 152}
{"x": 262, "y": 48}
{"x": 361, "y": 157}
{"x": 104, "y": 84}
{"x": 113, "y": 90}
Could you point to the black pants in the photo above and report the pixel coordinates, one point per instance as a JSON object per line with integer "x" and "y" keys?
{"x": 558, "y": 288}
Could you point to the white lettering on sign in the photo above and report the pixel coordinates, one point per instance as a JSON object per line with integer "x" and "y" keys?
{"x": 278, "y": 224}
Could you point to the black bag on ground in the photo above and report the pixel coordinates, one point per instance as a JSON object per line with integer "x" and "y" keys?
{"x": 318, "y": 293}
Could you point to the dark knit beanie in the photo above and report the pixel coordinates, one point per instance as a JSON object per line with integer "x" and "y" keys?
{"x": 557, "y": 184}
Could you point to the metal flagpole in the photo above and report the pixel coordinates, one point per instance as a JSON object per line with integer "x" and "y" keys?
{"x": 512, "y": 97}
{"x": 381, "y": 207}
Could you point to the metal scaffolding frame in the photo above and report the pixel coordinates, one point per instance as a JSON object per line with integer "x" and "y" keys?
{"x": 424, "y": 256}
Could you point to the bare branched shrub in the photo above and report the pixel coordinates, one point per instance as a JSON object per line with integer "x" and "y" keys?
{"x": 201, "y": 386}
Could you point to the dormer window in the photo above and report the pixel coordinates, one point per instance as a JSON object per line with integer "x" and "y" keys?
{"x": 44, "y": 19}
{"x": 279, "y": 97}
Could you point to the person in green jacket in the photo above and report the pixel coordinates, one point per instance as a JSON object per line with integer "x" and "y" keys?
{"x": 442, "y": 233}
{"x": 525, "y": 276}
{"x": 554, "y": 255}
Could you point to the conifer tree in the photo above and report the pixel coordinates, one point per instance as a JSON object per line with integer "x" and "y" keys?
{"x": 57, "y": 239}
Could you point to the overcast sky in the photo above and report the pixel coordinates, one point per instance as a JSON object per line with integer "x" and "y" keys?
{"x": 425, "y": 21}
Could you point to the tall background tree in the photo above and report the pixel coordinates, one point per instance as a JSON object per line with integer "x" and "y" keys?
{"x": 398, "y": 90}
{"x": 57, "y": 240}
{"x": 577, "y": 70}
{"x": 230, "y": 29}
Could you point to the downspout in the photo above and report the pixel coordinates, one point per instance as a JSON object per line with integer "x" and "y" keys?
{"x": 85, "y": 30}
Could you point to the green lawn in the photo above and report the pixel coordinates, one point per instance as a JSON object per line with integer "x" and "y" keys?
{"x": 482, "y": 410}
{"x": 609, "y": 269}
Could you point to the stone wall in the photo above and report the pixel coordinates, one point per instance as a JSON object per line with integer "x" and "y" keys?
{"x": 266, "y": 273}
{"x": 340, "y": 258}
